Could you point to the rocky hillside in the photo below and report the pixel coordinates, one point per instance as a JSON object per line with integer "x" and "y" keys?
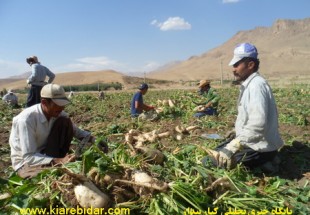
{"x": 284, "y": 52}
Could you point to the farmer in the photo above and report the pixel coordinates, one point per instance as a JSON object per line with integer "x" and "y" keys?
{"x": 257, "y": 138}
{"x": 11, "y": 99}
{"x": 101, "y": 95}
{"x": 71, "y": 95}
{"x": 37, "y": 80}
{"x": 41, "y": 135}
{"x": 137, "y": 105}
{"x": 210, "y": 100}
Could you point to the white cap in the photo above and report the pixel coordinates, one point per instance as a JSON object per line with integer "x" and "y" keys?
{"x": 243, "y": 50}
{"x": 56, "y": 93}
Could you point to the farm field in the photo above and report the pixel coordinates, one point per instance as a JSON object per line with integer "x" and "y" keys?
{"x": 183, "y": 185}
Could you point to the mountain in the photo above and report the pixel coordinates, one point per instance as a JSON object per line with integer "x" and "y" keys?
{"x": 70, "y": 78}
{"x": 21, "y": 76}
{"x": 89, "y": 77}
{"x": 284, "y": 52}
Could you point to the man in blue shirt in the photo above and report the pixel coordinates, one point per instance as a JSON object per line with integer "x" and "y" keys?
{"x": 137, "y": 105}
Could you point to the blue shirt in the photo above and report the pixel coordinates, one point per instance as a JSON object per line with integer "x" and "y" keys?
{"x": 136, "y": 97}
{"x": 39, "y": 73}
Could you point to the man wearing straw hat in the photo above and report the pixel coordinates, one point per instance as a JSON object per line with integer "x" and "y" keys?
{"x": 210, "y": 100}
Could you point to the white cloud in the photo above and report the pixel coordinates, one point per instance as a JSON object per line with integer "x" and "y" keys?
{"x": 172, "y": 23}
{"x": 11, "y": 68}
{"x": 230, "y": 1}
{"x": 91, "y": 64}
{"x": 150, "y": 66}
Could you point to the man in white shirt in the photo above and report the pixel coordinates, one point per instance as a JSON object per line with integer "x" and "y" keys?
{"x": 257, "y": 139}
{"x": 11, "y": 99}
{"x": 41, "y": 134}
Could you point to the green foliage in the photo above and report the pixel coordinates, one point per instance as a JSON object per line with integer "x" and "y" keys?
{"x": 189, "y": 181}
{"x": 94, "y": 87}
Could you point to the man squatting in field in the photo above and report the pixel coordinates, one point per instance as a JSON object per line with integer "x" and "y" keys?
{"x": 11, "y": 99}
{"x": 37, "y": 80}
{"x": 137, "y": 105}
{"x": 211, "y": 99}
{"x": 257, "y": 137}
{"x": 41, "y": 135}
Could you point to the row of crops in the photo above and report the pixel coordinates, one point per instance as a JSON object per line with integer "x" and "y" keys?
{"x": 179, "y": 183}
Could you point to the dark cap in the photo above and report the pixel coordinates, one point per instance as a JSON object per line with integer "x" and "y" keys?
{"x": 143, "y": 86}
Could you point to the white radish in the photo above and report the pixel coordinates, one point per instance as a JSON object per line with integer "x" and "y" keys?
{"x": 89, "y": 196}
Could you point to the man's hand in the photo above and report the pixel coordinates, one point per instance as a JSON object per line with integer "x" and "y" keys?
{"x": 58, "y": 161}
{"x": 103, "y": 146}
{"x": 209, "y": 104}
{"x": 199, "y": 108}
{"x": 150, "y": 108}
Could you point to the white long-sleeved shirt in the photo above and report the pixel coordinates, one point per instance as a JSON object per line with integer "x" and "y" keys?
{"x": 29, "y": 133}
{"x": 10, "y": 98}
{"x": 38, "y": 75}
{"x": 257, "y": 121}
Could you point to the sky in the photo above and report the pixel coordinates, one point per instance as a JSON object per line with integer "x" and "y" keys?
{"x": 129, "y": 36}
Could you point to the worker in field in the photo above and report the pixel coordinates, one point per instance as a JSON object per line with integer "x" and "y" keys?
{"x": 208, "y": 101}
{"x": 71, "y": 95}
{"x": 37, "y": 80}
{"x": 41, "y": 135}
{"x": 257, "y": 139}
{"x": 137, "y": 105}
{"x": 11, "y": 99}
{"x": 101, "y": 95}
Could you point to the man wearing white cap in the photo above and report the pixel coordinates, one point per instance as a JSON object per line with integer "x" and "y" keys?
{"x": 41, "y": 134}
{"x": 257, "y": 139}
{"x": 37, "y": 80}
{"x": 11, "y": 99}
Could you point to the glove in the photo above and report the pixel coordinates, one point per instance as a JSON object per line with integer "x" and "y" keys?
{"x": 224, "y": 157}
{"x": 230, "y": 134}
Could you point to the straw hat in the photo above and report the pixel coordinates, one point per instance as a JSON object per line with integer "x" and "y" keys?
{"x": 203, "y": 83}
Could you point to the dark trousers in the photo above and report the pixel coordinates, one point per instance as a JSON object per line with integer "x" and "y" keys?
{"x": 59, "y": 139}
{"x": 207, "y": 112}
{"x": 34, "y": 95}
{"x": 249, "y": 157}
{"x": 58, "y": 144}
